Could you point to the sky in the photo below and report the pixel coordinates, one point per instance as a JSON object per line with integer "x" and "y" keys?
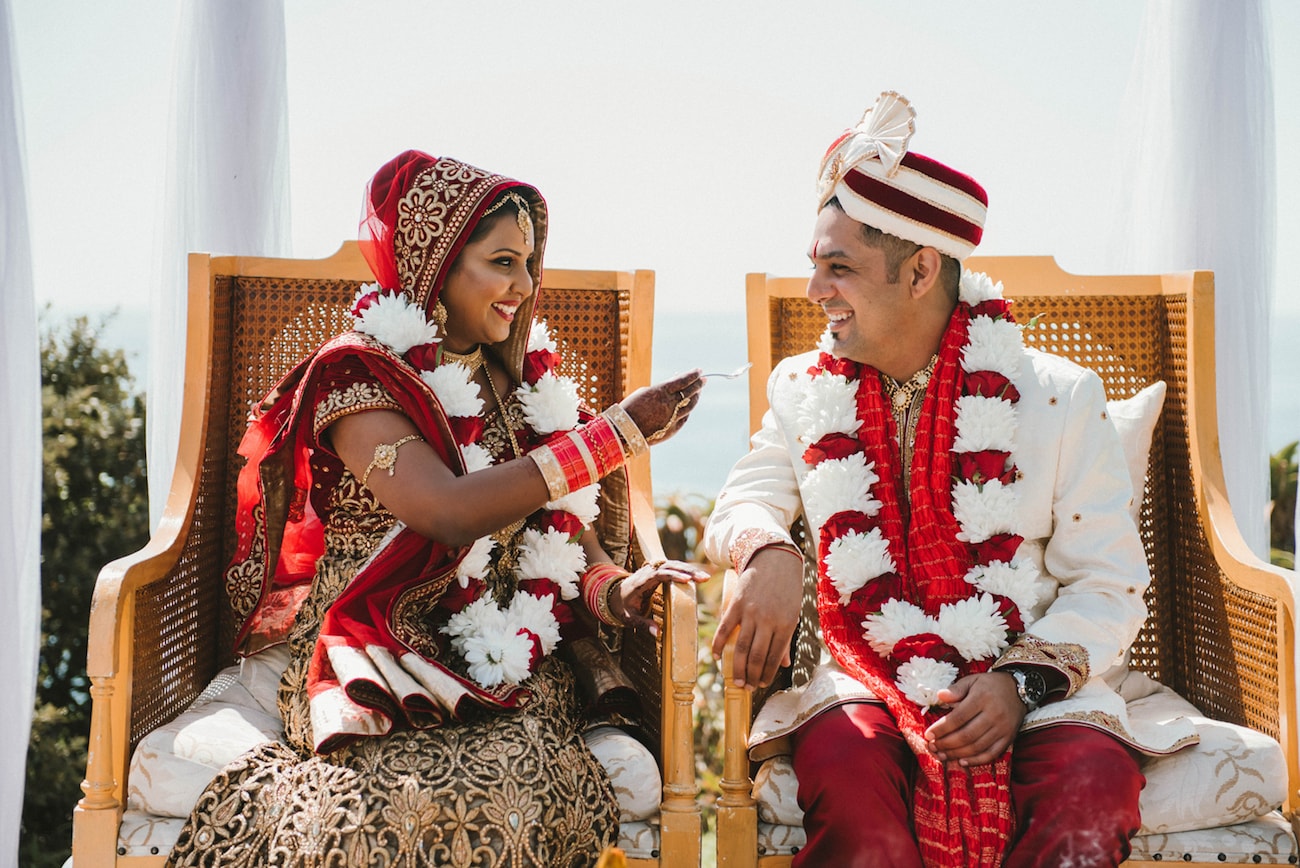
{"x": 680, "y": 136}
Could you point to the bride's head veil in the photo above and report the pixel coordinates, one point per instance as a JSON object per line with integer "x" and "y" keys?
{"x": 418, "y": 213}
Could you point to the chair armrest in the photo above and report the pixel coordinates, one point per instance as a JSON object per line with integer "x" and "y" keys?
{"x": 115, "y": 621}
{"x": 1268, "y": 604}
{"x": 737, "y": 810}
{"x": 679, "y": 651}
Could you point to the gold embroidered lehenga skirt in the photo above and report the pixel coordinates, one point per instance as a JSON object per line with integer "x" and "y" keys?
{"x": 516, "y": 788}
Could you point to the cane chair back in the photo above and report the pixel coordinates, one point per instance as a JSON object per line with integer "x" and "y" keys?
{"x": 1222, "y": 626}
{"x": 161, "y": 625}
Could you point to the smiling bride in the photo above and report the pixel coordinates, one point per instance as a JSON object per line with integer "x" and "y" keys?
{"x": 420, "y": 521}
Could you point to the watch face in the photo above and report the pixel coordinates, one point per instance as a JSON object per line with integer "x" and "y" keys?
{"x": 1031, "y": 685}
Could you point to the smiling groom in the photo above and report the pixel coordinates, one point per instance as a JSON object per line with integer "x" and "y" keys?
{"x": 978, "y": 572}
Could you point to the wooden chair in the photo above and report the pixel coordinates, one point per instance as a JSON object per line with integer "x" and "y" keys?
{"x": 160, "y": 624}
{"x": 1222, "y": 624}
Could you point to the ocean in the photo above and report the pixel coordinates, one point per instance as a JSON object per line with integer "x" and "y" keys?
{"x": 696, "y": 461}
{"x": 694, "y": 464}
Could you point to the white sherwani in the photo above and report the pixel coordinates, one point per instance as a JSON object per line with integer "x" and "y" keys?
{"x": 1074, "y": 515}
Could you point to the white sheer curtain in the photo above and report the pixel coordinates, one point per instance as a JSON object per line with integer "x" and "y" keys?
{"x": 1196, "y": 166}
{"x": 227, "y": 185}
{"x": 20, "y": 457}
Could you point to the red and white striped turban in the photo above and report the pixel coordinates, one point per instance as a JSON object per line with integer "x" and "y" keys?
{"x": 880, "y": 183}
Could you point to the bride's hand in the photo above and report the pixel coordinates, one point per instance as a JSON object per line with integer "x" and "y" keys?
{"x": 631, "y": 599}
{"x": 661, "y": 410}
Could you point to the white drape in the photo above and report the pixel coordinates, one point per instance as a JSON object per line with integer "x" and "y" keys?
{"x": 20, "y": 456}
{"x": 227, "y": 185}
{"x": 1196, "y": 166}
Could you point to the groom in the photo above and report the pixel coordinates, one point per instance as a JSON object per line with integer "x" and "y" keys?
{"x": 978, "y": 571}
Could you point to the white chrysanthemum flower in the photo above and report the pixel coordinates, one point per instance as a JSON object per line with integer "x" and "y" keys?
{"x": 362, "y": 291}
{"x": 855, "y": 559}
{"x": 984, "y": 511}
{"x": 536, "y": 615}
{"x": 497, "y": 655}
{"x": 581, "y": 503}
{"x": 995, "y": 345}
{"x": 539, "y": 337}
{"x": 826, "y": 343}
{"x": 475, "y": 457}
{"x": 550, "y": 404}
{"x": 483, "y": 613}
{"x": 974, "y": 627}
{"x": 476, "y": 561}
{"x": 396, "y": 323}
{"x": 976, "y": 287}
{"x": 984, "y": 423}
{"x": 455, "y": 391}
{"x": 897, "y": 619}
{"x": 920, "y": 679}
{"x": 840, "y": 484}
{"x": 1017, "y": 581}
{"x": 829, "y": 406}
{"x": 550, "y": 555}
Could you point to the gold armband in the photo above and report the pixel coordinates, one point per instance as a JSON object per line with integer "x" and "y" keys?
{"x": 386, "y": 456}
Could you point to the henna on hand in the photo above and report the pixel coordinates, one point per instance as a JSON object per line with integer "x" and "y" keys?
{"x": 661, "y": 410}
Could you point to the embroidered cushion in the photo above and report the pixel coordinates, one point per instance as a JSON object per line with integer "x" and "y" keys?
{"x": 1135, "y": 419}
{"x": 173, "y": 764}
{"x": 632, "y": 771}
{"x": 1267, "y": 841}
{"x": 1231, "y": 777}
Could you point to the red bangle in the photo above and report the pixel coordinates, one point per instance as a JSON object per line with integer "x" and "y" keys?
{"x": 596, "y": 583}
{"x": 601, "y": 439}
{"x": 586, "y": 454}
{"x": 575, "y": 461}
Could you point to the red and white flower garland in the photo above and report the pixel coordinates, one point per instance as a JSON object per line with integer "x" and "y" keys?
{"x": 928, "y": 652}
{"x": 500, "y": 645}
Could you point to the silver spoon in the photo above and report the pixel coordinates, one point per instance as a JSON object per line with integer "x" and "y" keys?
{"x": 733, "y": 375}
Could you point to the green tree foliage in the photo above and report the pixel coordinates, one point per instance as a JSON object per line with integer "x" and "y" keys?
{"x": 1282, "y": 472}
{"x": 95, "y": 508}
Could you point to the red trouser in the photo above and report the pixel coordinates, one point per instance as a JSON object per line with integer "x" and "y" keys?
{"x": 1074, "y": 792}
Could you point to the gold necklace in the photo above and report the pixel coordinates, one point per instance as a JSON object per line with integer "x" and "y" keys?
{"x": 501, "y": 410}
{"x": 472, "y": 360}
{"x": 906, "y": 412}
{"x": 900, "y": 394}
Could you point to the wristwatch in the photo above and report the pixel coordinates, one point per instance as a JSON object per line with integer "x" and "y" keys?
{"x": 1031, "y": 686}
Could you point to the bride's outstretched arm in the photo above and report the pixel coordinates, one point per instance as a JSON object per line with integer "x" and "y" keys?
{"x": 414, "y": 484}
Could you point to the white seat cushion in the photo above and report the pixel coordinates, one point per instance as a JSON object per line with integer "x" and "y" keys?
{"x": 632, "y": 772}
{"x": 1266, "y": 841}
{"x": 1233, "y": 776}
{"x": 173, "y": 764}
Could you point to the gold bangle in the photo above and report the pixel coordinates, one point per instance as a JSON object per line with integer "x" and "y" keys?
{"x": 386, "y": 456}
{"x": 557, "y": 485}
{"x": 603, "y": 610}
{"x": 633, "y": 439}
